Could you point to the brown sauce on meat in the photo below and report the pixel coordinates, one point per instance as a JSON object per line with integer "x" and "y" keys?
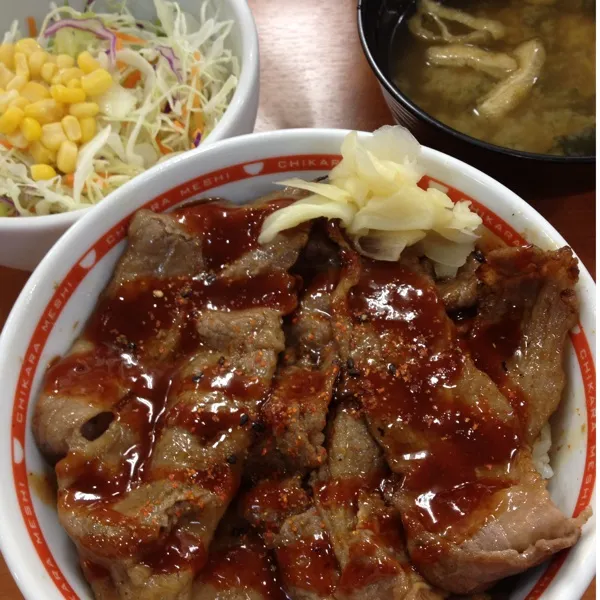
{"x": 344, "y": 491}
{"x": 386, "y": 525}
{"x": 491, "y": 345}
{"x": 271, "y": 501}
{"x": 180, "y": 551}
{"x": 205, "y": 424}
{"x": 99, "y": 373}
{"x": 245, "y": 569}
{"x": 228, "y": 232}
{"x": 141, "y": 336}
{"x": 413, "y": 389}
{"x": 141, "y": 309}
{"x": 296, "y": 391}
{"x": 367, "y": 564}
{"x": 309, "y": 564}
{"x": 94, "y": 571}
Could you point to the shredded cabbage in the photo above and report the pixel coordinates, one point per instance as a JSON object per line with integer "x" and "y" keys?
{"x": 374, "y": 192}
{"x": 183, "y": 80}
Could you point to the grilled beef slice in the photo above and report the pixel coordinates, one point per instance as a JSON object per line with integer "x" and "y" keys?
{"x": 239, "y": 566}
{"x": 296, "y": 410}
{"x": 473, "y": 507}
{"x": 527, "y": 307}
{"x": 170, "y": 370}
{"x": 366, "y": 535}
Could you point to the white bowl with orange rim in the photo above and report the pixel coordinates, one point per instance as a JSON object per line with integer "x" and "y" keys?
{"x": 25, "y": 240}
{"x": 61, "y": 294}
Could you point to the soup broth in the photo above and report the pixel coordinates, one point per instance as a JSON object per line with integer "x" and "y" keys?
{"x": 556, "y": 115}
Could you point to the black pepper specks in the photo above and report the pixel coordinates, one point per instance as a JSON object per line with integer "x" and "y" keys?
{"x": 243, "y": 419}
{"x": 479, "y": 256}
{"x": 258, "y": 427}
{"x": 197, "y": 377}
{"x": 353, "y": 372}
{"x": 232, "y": 459}
{"x": 391, "y": 368}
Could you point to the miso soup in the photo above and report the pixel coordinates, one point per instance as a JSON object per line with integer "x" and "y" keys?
{"x": 514, "y": 73}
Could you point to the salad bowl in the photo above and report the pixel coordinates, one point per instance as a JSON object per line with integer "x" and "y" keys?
{"x": 25, "y": 240}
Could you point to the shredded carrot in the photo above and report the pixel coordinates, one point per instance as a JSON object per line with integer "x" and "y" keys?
{"x": 126, "y": 37}
{"x": 121, "y": 65}
{"x": 178, "y": 125}
{"x": 6, "y": 144}
{"x": 164, "y": 149}
{"x": 195, "y": 69}
{"x": 32, "y": 25}
{"x": 132, "y": 79}
{"x": 69, "y": 179}
{"x": 198, "y": 120}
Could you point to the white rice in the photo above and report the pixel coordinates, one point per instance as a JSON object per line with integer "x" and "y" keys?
{"x": 540, "y": 452}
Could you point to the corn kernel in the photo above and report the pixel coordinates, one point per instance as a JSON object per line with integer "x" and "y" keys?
{"x": 17, "y": 140}
{"x": 21, "y": 102}
{"x": 74, "y": 84}
{"x": 35, "y": 91}
{"x": 53, "y": 136}
{"x": 7, "y": 55}
{"x": 42, "y": 172}
{"x": 64, "y": 61}
{"x": 6, "y": 98}
{"x": 66, "y": 159}
{"x": 72, "y": 128}
{"x": 6, "y": 75}
{"x": 87, "y": 63}
{"x": 45, "y": 111}
{"x": 69, "y": 96}
{"x": 48, "y": 71}
{"x": 97, "y": 82}
{"x": 84, "y": 109}
{"x": 11, "y": 119}
{"x": 22, "y": 65}
{"x": 41, "y": 154}
{"x": 16, "y": 83}
{"x": 57, "y": 79}
{"x": 27, "y": 46}
{"x": 31, "y": 129}
{"x": 36, "y": 61}
{"x": 88, "y": 129}
{"x": 72, "y": 73}
{"x": 51, "y": 59}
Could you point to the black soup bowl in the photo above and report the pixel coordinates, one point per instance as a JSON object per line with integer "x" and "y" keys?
{"x": 534, "y": 175}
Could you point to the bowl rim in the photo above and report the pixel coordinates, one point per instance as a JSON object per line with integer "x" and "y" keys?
{"x": 408, "y": 104}
{"x": 13, "y": 535}
{"x": 249, "y": 74}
